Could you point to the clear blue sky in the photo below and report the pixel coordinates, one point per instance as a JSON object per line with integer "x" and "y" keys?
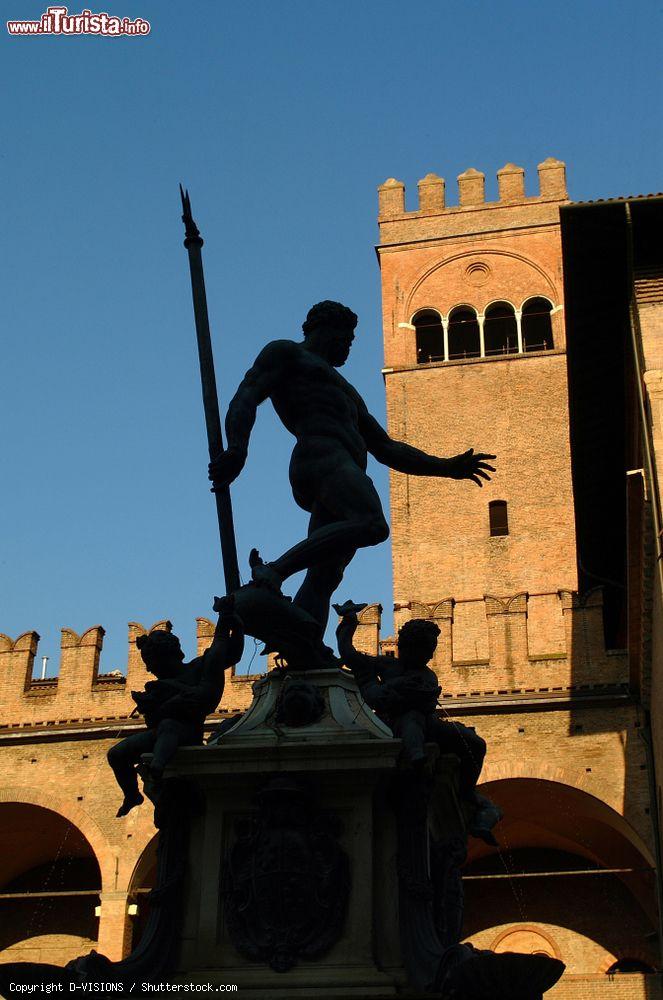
{"x": 282, "y": 117}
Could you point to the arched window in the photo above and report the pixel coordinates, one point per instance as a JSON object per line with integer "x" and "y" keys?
{"x": 498, "y": 517}
{"x": 464, "y": 339}
{"x": 537, "y": 325}
{"x": 429, "y": 336}
{"x": 500, "y": 329}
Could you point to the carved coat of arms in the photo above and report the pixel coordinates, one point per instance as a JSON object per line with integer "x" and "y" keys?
{"x": 286, "y": 879}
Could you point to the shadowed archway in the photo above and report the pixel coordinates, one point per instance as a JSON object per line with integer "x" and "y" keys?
{"x": 50, "y": 881}
{"x": 568, "y": 868}
{"x": 142, "y": 882}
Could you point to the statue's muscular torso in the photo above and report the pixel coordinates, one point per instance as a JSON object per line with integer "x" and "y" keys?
{"x": 315, "y": 403}
{"x": 334, "y": 433}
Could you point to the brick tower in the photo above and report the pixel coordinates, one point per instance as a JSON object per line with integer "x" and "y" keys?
{"x": 475, "y": 354}
{"x": 466, "y": 365}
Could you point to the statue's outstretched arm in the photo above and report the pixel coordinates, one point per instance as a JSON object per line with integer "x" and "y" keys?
{"x": 228, "y": 643}
{"x": 414, "y": 462}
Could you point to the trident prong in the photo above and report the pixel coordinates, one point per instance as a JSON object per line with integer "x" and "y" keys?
{"x": 190, "y": 228}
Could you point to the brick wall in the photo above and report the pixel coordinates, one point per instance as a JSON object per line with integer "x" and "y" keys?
{"x": 521, "y": 654}
{"x": 81, "y": 691}
{"x": 626, "y": 987}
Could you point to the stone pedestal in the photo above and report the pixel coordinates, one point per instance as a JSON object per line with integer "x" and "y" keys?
{"x": 344, "y": 762}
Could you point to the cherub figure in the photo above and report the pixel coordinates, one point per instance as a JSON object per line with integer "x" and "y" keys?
{"x": 404, "y": 692}
{"x": 176, "y": 704}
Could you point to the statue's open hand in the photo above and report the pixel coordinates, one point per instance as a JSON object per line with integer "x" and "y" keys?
{"x": 225, "y": 606}
{"x": 349, "y": 609}
{"x": 228, "y": 617}
{"x": 226, "y": 467}
{"x": 470, "y": 466}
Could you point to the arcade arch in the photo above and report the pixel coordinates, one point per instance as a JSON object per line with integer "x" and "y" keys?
{"x": 537, "y": 325}
{"x": 558, "y": 843}
{"x": 50, "y": 884}
{"x": 429, "y": 335}
{"x": 142, "y": 882}
{"x": 464, "y": 333}
{"x": 500, "y": 330}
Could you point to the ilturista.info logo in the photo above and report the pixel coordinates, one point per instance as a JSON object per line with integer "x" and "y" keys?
{"x": 58, "y": 21}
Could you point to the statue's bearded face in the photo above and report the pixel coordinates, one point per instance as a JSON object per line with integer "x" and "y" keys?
{"x": 338, "y": 340}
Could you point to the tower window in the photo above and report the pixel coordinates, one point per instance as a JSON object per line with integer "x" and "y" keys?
{"x": 537, "y": 325}
{"x": 464, "y": 339}
{"x": 429, "y": 336}
{"x": 500, "y": 329}
{"x": 498, "y": 517}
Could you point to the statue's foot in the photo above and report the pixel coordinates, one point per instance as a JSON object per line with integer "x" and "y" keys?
{"x": 481, "y": 833}
{"x": 485, "y": 975}
{"x": 130, "y": 802}
{"x": 487, "y": 816}
{"x": 263, "y": 574}
{"x": 156, "y": 774}
{"x": 328, "y": 654}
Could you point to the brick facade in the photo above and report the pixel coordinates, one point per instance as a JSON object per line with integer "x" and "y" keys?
{"x": 522, "y": 654}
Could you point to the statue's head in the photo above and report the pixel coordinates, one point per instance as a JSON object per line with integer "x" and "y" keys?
{"x": 160, "y": 650}
{"x": 417, "y": 642}
{"x": 330, "y": 327}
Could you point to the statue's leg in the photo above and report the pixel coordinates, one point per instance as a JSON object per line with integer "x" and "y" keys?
{"x": 469, "y": 747}
{"x": 123, "y": 758}
{"x": 333, "y": 481}
{"x": 321, "y": 580}
{"x": 411, "y": 728}
{"x": 171, "y": 734}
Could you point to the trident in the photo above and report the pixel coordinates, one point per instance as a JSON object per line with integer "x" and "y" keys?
{"x": 193, "y": 242}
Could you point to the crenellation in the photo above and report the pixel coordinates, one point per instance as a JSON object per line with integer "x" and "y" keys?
{"x": 367, "y": 636}
{"x": 431, "y": 193}
{"x": 471, "y": 188}
{"x": 80, "y": 690}
{"x": 501, "y": 626}
{"x": 17, "y": 657}
{"x": 27, "y": 641}
{"x": 511, "y": 183}
{"x": 391, "y": 196}
{"x": 471, "y": 197}
{"x": 507, "y": 635}
{"x": 204, "y": 635}
{"x": 79, "y": 659}
{"x": 552, "y": 179}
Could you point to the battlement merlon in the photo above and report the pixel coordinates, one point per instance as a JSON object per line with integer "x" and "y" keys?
{"x": 435, "y": 219}
{"x": 79, "y": 673}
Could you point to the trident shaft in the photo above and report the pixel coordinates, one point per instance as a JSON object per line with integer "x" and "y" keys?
{"x": 193, "y": 243}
